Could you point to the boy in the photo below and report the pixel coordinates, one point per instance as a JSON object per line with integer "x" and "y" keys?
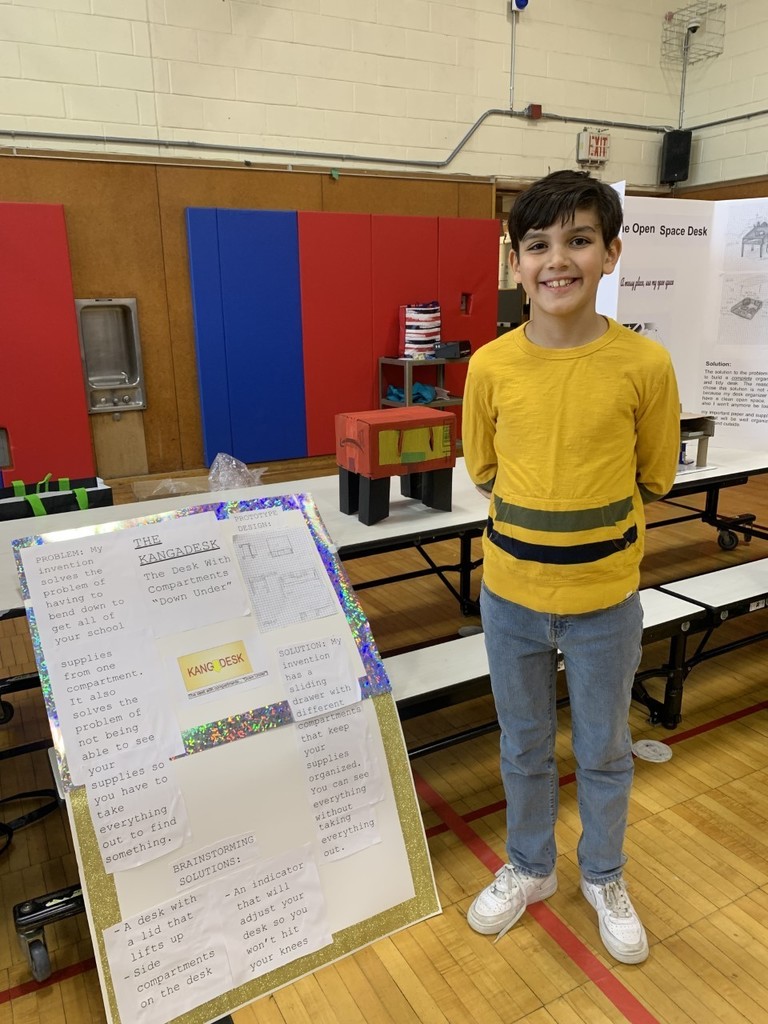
{"x": 571, "y": 422}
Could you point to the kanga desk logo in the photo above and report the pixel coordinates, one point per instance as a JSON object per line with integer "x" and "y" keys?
{"x": 214, "y": 668}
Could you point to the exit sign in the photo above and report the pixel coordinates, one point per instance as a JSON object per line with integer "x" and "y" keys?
{"x": 593, "y": 147}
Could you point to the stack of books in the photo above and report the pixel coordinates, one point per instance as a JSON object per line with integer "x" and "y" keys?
{"x": 419, "y": 330}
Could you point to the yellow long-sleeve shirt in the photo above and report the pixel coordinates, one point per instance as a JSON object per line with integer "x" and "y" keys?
{"x": 569, "y": 443}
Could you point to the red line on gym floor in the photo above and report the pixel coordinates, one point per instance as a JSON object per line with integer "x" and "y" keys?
{"x": 716, "y": 723}
{"x": 565, "y": 780}
{"x": 542, "y": 914}
{"x": 58, "y": 976}
{"x": 598, "y": 973}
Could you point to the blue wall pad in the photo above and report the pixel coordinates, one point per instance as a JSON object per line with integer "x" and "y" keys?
{"x": 203, "y": 241}
{"x": 261, "y": 303}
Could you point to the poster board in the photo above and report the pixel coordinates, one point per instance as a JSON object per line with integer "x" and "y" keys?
{"x": 607, "y": 299}
{"x": 238, "y": 787}
{"x": 694, "y": 275}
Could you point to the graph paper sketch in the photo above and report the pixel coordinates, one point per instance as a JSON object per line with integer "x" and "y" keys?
{"x": 285, "y": 578}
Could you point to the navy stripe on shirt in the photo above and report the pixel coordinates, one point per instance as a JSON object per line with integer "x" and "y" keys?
{"x": 573, "y": 554}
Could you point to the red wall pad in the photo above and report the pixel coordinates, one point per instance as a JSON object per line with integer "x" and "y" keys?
{"x": 42, "y": 394}
{"x": 404, "y": 260}
{"x": 468, "y": 259}
{"x": 335, "y": 268}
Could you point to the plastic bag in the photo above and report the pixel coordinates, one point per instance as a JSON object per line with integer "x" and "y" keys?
{"x": 143, "y": 489}
{"x": 227, "y": 473}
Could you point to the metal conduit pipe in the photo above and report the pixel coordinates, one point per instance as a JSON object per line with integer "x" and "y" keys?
{"x": 352, "y": 157}
{"x": 728, "y": 120}
{"x": 602, "y": 123}
{"x": 513, "y": 52}
{"x": 216, "y": 147}
{"x": 686, "y": 53}
{"x": 316, "y": 154}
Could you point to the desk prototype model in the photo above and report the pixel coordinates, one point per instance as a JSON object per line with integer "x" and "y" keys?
{"x": 416, "y": 444}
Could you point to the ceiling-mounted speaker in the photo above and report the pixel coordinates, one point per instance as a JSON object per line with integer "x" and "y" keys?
{"x": 675, "y": 156}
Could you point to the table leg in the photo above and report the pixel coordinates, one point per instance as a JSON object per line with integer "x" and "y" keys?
{"x": 466, "y": 565}
{"x": 671, "y": 711}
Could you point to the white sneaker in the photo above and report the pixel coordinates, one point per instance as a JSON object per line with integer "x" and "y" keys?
{"x": 502, "y": 903}
{"x": 621, "y": 929}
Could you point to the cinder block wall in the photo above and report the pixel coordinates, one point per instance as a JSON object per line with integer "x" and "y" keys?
{"x": 379, "y": 79}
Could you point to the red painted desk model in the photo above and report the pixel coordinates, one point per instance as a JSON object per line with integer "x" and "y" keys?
{"x": 416, "y": 444}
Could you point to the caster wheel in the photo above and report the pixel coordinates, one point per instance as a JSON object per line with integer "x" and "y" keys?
{"x": 6, "y": 712}
{"x": 39, "y": 961}
{"x": 727, "y": 540}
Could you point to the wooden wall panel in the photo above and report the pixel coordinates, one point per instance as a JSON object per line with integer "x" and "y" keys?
{"x": 400, "y": 197}
{"x": 120, "y": 444}
{"x": 476, "y": 199}
{"x": 756, "y": 188}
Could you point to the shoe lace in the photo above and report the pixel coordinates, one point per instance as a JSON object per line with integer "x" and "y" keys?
{"x": 501, "y": 886}
{"x": 617, "y": 900}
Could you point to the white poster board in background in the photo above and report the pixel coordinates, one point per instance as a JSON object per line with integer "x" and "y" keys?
{"x": 607, "y": 300}
{"x": 735, "y": 379}
{"x": 237, "y": 783}
{"x": 694, "y": 275}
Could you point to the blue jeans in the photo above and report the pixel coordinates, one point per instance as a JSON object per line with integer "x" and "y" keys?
{"x": 601, "y": 651}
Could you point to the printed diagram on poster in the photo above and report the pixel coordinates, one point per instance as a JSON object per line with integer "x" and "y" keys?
{"x": 744, "y": 310}
{"x": 694, "y": 276}
{"x": 745, "y": 231}
{"x": 230, "y": 750}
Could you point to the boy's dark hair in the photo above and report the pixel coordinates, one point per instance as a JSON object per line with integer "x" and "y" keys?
{"x": 557, "y": 197}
